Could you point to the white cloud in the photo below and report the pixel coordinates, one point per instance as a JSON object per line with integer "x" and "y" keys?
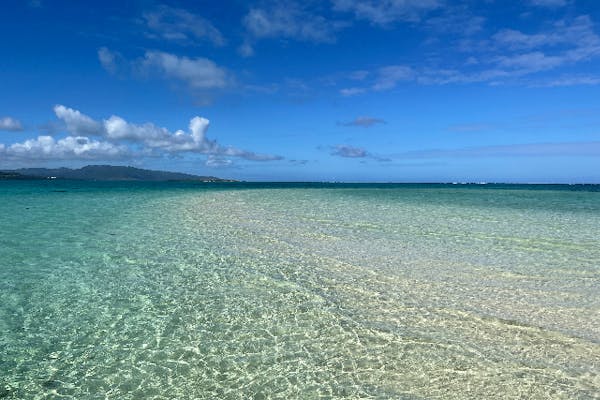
{"x": 197, "y": 73}
{"x": 576, "y": 33}
{"x": 201, "y": 76}
{"x": 383, "y": 12}
{"x": 76, "y": 122}
{"x": 294, "y": 20}
{"x": 150, "y": 138}
{"x": 509, "y": 56}
{"x": 181, "y": 25}
{"x": 10, "y": 124}
{"x": 569, "y": 42}
{"x": 69, "y": 148}
{"x": 289, "y": 21}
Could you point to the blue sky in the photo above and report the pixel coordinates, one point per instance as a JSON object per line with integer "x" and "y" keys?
{"x": 390, "y": 90}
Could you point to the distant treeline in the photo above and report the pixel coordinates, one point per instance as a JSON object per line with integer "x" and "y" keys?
{"x": 103, "y": 173}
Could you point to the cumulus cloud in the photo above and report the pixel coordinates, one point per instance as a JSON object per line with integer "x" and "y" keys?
{"x": 197, "y": 73}
{"x": 76, "y": 122}
{"x": 10, "y": 124}
{"x": 201, "y": 76}
{"x": 48, "y": 148}
{"x": 181, "y": 25}
{"x": 364, "y": 122}
{"x": 383, "y": 12}
{"x": 115, "y": 138}
{"x": 150, "y": 138}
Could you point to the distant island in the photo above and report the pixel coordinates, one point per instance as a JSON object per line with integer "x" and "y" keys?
{"x": 104, "y": 173}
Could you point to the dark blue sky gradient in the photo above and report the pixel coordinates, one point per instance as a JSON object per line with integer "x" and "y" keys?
{"x": 321, "y": 90}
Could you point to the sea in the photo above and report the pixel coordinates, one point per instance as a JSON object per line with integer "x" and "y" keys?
{"x": 175, "y": 290}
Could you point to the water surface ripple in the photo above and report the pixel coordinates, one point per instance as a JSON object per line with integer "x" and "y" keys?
{"x": 183, "y": 291}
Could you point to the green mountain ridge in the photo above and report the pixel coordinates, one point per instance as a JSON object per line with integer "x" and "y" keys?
{"x": 103, "y": 173}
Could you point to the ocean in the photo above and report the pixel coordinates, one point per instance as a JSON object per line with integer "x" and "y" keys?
{"x": 173, "y": 290}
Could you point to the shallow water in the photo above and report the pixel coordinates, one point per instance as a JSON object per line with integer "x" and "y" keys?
{"x": 134, "y": 291}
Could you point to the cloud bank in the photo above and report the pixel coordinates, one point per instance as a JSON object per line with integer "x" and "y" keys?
{"x": 115, "y": 138}
{"x": 47, "y": 148}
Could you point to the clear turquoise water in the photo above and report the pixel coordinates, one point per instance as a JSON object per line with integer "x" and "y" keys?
{"x": 183, "y": 291}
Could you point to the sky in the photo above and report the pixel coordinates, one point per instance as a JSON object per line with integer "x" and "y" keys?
{"x": 330, "y": 90}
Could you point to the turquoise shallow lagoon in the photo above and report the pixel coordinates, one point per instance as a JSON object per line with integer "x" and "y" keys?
{"x": 235, "y": 291}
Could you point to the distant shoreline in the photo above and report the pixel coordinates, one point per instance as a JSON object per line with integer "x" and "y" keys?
{"x": 322, "y": 185}
{"x": 110, "y": 173}
{"x": 104, "y": 173}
